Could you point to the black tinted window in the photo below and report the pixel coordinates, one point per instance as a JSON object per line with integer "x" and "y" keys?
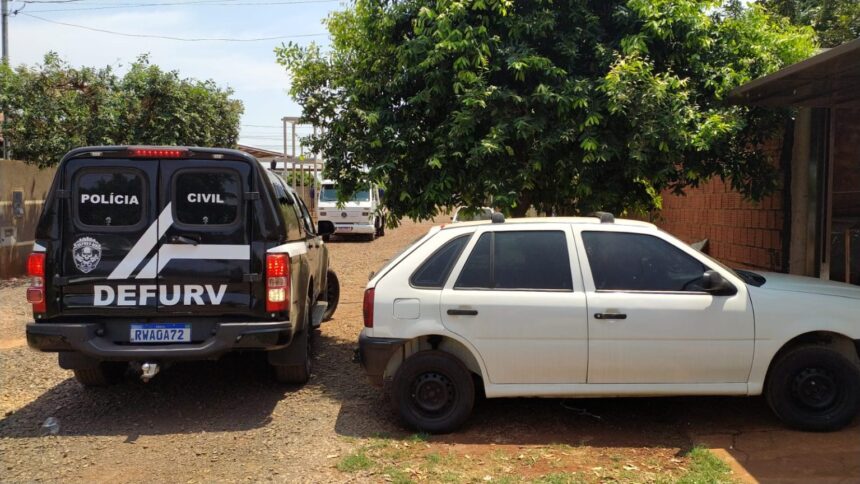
{"x": 207, "y": 197}
{"x": 477, "y": 272}
{"x": 531, "y": 260}
{"x": 110, "y": 199}
{"x": 518, "y": 260}
{"x": 638, "y": 262}
{"x": 434, "y": 271}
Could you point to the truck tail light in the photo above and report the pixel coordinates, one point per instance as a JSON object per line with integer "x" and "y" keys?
{"x": 36, "y": 291}
{"x": 277, "y": 283}
{"x": 367, "y": 307}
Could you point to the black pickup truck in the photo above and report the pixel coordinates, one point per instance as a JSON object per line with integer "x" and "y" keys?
{"x": 151, "y": 255}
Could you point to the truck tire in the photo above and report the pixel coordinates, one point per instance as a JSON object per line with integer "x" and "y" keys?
{"x": 433, "y": 392}
{"x": 332, "y": 294}
{"x": 814, "y": 388}
{"x": 298, "y": 351}
{"x": 106, "y": 373}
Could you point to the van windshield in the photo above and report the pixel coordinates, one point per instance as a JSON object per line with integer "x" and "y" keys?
{"x": 328, "y": 193}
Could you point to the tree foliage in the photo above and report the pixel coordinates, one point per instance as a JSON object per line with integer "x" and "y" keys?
{"x": 835, "y": 21}
{"x": 565, "y": 105}
{"x": 53, "y": 107}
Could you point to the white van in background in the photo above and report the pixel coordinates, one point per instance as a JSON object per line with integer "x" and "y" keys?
{"x": 360, "y": 215}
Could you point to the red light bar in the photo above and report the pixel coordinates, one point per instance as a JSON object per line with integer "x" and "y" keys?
{"x": 157, "y": 153}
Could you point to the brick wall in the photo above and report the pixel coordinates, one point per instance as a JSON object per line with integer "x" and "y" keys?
{"x": 739, "y": 233}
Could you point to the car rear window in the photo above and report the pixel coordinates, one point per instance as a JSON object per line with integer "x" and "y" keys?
{"x": 110, "y": 197}
{"x": 210, "y": 197}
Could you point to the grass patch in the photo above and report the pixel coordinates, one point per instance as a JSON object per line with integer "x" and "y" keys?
{"x": 705, "y": 467}
{"x": 357, "y": 461}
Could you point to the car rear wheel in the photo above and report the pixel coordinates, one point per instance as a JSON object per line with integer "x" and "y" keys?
{"x": 332, "y": 294}
{"x": 433, "y": 392}
{"x": 299, "y": 372}
{"x": 814, "y": 388}
{"x": 106, "y": 373}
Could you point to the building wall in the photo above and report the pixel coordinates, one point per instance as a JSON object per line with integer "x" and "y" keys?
{"x": 17, "y": 229}
{"x": 740, "y": 233}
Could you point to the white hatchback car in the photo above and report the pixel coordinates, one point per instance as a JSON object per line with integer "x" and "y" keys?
{"x": 593, "y": 307}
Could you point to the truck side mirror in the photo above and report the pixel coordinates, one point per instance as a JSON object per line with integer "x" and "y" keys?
{"x": 325, "y": 227}
{"x": 714, "y": 283}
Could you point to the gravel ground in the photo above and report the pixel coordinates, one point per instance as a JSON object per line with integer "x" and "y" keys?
{"x": 227, "y": 420}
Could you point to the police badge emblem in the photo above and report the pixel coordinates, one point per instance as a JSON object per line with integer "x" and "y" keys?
{"x": 87, "y": 253}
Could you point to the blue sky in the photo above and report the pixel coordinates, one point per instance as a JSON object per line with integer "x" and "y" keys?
{"x": 247, "y": 67}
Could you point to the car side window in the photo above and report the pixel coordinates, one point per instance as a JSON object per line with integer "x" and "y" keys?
{"x": 306, "y": 216}
{"x": 433, "y": 273}
{"x": 285, "y": 204}
{"x": 622, "y": 261}
{"x": 518, "y": 260}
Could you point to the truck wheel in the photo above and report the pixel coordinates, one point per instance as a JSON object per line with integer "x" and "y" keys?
{"x": 300, "y": 352}
{"x": 814, "y": 388}
{"x": 433, "y": 392}
{"x": 106, "y": 373}
{"x": 332, "y": 294}
{"x": 326, "y": 238}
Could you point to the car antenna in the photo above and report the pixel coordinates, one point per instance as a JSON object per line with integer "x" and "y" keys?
{"x": 605, "y": 217}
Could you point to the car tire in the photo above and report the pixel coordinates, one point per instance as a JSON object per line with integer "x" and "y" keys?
{"x": 299, "y": 373}
{"x": 380, "y": 231}
{"x": 433, "y": 392}
{"x": 105, "y": 374}
{"x": 332, "y": 294}
{"x": 814, "y": 388}
{"x": 326, "y": 238}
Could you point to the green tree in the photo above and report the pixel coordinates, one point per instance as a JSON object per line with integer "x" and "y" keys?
{"x": 565, "y": 105}
{"x": 53, "y": 107}
{"x": 835, "y": 21}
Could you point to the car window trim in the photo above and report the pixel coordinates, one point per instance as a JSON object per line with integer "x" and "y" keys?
{"x": 144, "y": 199}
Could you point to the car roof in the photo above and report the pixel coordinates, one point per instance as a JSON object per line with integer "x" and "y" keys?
{"x": 540, "y": 220}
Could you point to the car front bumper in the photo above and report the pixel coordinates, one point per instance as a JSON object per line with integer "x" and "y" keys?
{"x": 374, "y": 355}
{"x": 92, "y": 340}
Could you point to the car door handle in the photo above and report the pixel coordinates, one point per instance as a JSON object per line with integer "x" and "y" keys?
{"x": 462, "y": 312}
{"x": 179, "y": 239}
{"x": 610, "y": 316}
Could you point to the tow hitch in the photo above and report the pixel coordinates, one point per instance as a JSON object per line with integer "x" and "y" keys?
{"x": 148, "y": 370}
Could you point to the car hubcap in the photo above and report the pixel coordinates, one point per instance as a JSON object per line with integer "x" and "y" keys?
{"x": 433, "y": 393}
{"x": 815, "y": 388}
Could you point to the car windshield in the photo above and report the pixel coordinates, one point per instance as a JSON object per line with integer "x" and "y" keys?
{"x": 328, "y": 193}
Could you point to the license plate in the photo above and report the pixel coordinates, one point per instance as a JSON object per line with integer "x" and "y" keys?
{"x": 344, "y": 228}
{"x": 160, "y": 333}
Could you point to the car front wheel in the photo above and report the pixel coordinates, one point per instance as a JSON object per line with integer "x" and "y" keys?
{"x": 814, "y": 388}
{"x": 433, "y": 392}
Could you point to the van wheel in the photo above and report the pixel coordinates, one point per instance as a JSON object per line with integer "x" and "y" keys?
{"x": 814, "y": 388}
{"x": 380, "y": 231}
{"x": 332, "y": 294}
{"x": 106, "y": 373}
{"x": 433, "y": 392}
{"x": 326, "y": 237}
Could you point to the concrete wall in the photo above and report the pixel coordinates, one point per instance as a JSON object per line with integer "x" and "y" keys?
{"x": 18, "y": 221}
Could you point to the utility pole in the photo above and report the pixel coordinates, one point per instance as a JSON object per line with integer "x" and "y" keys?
{"x": 5, "y": 6}
{"x": 5, "y": 13}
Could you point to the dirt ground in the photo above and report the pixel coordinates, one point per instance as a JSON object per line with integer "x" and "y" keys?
{"x": 228, "y": 421}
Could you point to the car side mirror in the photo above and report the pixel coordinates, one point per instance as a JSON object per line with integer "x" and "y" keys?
{"x": 325, "y": 227}
{"x": 714, "y": 283}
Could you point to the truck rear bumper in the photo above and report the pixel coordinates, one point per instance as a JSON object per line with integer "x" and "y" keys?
{"x": 347, "y": 228}
{"x": 87, "y": 339}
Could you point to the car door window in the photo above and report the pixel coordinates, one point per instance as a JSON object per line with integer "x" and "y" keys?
{"x": 433, "y": 273}
{"x": 622, "y": 261}
{"x": 518, "y": 260}
{"x": 306, "y": 216}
